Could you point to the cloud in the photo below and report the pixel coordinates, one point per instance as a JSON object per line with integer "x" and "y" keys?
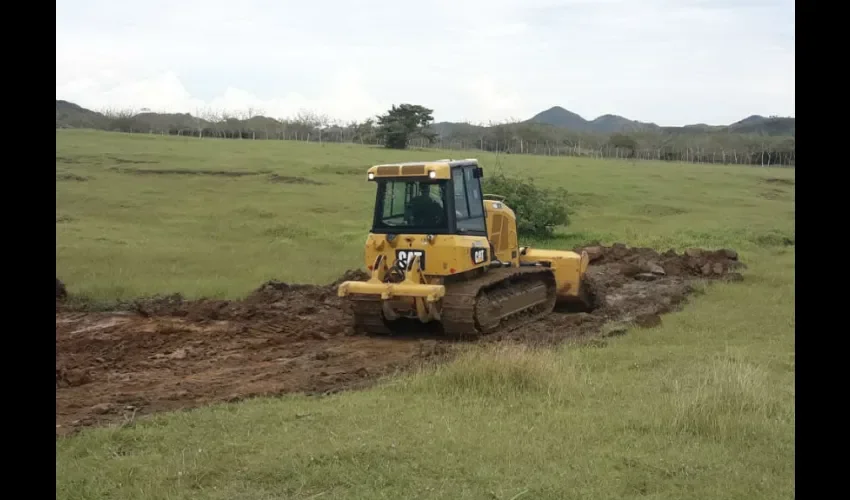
{"x": 668, "y": 61}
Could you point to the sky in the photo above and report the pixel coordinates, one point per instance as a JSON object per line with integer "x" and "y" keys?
{"x": 671, "y": 62}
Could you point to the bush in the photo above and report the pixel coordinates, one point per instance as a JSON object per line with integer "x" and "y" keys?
{"x": 538, "y": 210}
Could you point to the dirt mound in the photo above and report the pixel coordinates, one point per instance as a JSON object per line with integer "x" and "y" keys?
{"x": 693, "y": 262}
{"x": 167, "y": 353}
{"x": 273, "y": 300}
{"x": 630, "y": 286}
{"x": 61, "y": 292}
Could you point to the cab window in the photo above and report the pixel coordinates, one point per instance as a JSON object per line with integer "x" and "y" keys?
{"x": 469, "y": 209}
{"x": 411, "y": 205}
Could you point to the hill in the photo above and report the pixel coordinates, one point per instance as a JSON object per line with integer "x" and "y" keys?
{"x": 70, "y": 115}
{"x": 607, "y": 124}
{"x": 773, "y": 125}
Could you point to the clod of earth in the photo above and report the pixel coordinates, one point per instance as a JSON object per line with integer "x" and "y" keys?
{"x": 169, "y": 353}
{"x": 61, "y": 292}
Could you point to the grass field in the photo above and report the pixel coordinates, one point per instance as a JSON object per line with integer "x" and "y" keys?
{"x": 700, "y": 407}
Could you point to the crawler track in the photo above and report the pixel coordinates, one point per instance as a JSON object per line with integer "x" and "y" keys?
{"x": 500, "y": 300}
{"x": 369, "y": 316}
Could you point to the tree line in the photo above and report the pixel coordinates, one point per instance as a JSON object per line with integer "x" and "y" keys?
{"x": 412, "y": 126}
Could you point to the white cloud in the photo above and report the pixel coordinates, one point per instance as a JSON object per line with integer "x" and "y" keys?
{"x": 668, "y": 61}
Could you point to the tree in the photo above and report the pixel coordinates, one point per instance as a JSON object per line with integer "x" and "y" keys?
{"x": 363, "y": 132}
{"x": 403, "y": 122}
{"x": 121, "y": 120}
{"x": 539, "y": 210}
{"x": 625, "y": 142}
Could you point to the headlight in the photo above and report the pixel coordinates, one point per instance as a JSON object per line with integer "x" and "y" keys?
{"x": 371, "y": 176}
{"x": 432, "y": 174}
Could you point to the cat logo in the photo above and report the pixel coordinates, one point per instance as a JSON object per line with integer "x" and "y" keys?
{"x": 405, "y": 258}
{"x": 479, "y": 255}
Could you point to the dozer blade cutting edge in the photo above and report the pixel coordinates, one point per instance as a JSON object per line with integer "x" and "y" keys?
{"x": 430, "y": 293}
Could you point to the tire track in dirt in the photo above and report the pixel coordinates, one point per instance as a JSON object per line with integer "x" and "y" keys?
{"x": 167, "y": 353}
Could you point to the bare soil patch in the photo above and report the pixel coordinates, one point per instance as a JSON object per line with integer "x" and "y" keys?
{"x": 166, "y": 171}
{"x": 67, "y": 176}
{"x": 133, "y": 161}
{"x": 166, "y": 353}
{"x": 776, "y": 180}
{"x": 286, "y": 179}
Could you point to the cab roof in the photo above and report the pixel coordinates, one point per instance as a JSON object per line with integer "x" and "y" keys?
{"x": 441, "y": 168}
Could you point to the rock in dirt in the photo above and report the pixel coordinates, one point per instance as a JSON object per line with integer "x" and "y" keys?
{"x": 646, "y": 277}
{"x": 654, "y": 268}
{"x": 178, "y": 395}
{"x": 102, "y": 408}
{"x": 179, "y": 354}
{"x": 630, "y": 270}
{"x": 71, "y": 378}
{"x": 594, "y": 253}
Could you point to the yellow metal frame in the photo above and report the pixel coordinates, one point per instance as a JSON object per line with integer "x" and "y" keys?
{"x": 569, "y": 267}
{"x": 420, "y": 291}
{"x": 413, "y": 286}
{"x": 440, "y": 169}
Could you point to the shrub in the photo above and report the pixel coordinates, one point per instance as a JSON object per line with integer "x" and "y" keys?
{"x": 538, "y": 210}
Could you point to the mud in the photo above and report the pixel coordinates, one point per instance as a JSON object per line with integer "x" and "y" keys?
{"x": 776, "y": 180}
{"x": 166, "y": 353}
{"x": 214, "y": 173}
{"x": 132, "y": 161}
{"x": 288, "y": 179}
{"x": 65, "y": 176}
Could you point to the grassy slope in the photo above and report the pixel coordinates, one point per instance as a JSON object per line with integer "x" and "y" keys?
{"x": 701, "y": 407}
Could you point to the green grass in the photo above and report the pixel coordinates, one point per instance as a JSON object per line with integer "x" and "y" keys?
{"x": 700, "y": 407}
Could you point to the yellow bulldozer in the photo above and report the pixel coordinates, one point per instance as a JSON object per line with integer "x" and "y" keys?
{"x": 442, "y": 253}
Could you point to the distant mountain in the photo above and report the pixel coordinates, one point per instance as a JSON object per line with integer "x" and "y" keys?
{"x": 615, "y": 123}
{"x": 445, "y": 129}
{"x": 606, "y": 124}
{"x": 773, "y": 125}
{"x": 560, "y": 117}
{"x": 69, "y": 114}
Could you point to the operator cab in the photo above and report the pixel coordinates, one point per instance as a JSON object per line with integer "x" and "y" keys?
{"x": 448, "y": 200}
